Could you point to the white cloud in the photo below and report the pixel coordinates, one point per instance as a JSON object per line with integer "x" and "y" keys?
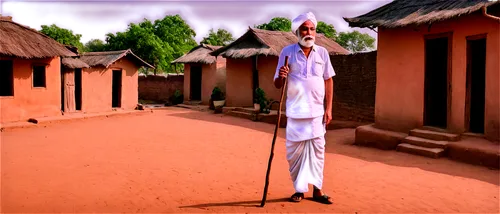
{"x": 94, "y": 19}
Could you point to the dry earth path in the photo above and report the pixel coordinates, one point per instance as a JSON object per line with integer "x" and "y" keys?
{"x": 180, "y": 160}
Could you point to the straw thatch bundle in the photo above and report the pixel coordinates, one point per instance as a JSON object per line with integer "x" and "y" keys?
{"x": 21, "y": 41}
{"x": 73, "y": 63}
{"x": 270, "y": 43}
{"x": 106, "y": 58}
{"x": 402, "y": 13}
{"x": 199, "y": 54}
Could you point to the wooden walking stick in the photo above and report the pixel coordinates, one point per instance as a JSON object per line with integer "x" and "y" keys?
{"x": 274, "y": 139}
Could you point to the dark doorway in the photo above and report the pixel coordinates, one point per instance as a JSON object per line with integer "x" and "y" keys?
{"x": 436, "y": 81}
{"x": 78, "y": 89}
{"x": 195, "y": 83}
{"x": 117, "y": 89}
{"x": 475, "y": 84}
{"x": 255, "y": 77}
{"x": 6, "y": 78}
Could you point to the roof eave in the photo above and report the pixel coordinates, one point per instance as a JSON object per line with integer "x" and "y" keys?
{"x": 224, "y": 48}
{"x": 363, "y": 21}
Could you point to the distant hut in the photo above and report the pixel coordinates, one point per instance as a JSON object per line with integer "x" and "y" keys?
{"x": 437, "y": 69}
{"x": 30, "y": 72}
{"x": 202, "y": 72}
{"x": 252, "y": 60}
{"x": 111, "y": 82}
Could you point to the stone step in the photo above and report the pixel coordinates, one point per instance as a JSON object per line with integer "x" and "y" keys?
{"x": 434, "y": 135}
{"x": 241, "y": 114}
{"x": 423, "y": 142}
{"x": 192, "y": 102}
{"x": 246, "y": 110}
{"x": 422, "y": 151}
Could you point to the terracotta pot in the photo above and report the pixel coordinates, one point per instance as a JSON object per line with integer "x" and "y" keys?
{"x": 219, "y": 102}
{"x": 256, "y": 106}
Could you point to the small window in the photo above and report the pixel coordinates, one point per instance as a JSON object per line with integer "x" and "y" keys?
{"x": 39, "y": 76}
{"x": 6, "y": 78}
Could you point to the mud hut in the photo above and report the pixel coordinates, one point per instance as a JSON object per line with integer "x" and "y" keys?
{"x": 30, "y": 72}
{"x": 437, "y": 69}
{"x": 111, "y": 82}
{"x": 252, "y": 60}
{"x": 202, "y": 72}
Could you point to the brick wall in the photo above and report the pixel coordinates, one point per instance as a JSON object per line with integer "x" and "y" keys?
{"x": 354, "y": 86}
{"x": 159, "y": 88}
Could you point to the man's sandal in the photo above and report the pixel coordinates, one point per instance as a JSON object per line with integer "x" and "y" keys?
{"x": 325, "y": 199}
{"x": 297, "y": 197}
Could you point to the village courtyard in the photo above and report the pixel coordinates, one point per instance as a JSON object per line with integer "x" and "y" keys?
{"x": 183, "y": 160}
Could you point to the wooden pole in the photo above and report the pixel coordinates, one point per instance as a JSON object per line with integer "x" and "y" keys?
{"x": 274, "y": 139}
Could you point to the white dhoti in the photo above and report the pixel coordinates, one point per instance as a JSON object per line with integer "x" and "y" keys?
{"x": 305, "y": 147}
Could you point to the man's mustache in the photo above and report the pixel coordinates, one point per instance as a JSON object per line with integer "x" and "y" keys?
{"x": 308, "y": 37}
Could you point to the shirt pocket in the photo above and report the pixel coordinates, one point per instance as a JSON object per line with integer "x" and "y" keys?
{"x": 318, "y": 68}
{"x": 294, "y": 69}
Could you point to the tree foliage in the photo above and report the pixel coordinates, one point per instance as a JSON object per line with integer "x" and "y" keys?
{"x": 95, "y": 45}
{"x": 220, "y": 38}
{"x": 158, "y": 42}
{"x": 356, "y": 41}
{"x": 327, "y": 29}
{"x": 62, "y": 35}
{"x": 277, "y": 24}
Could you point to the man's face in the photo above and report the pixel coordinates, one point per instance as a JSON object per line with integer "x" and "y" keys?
{"x": 307, "y": 33}
{"x": 307, "y": 29}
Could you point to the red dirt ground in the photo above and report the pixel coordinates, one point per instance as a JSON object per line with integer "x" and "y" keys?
{"x": 180, "y": 160}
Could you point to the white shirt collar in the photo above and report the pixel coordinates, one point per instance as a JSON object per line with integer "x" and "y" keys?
{"x": 298, "y": 49}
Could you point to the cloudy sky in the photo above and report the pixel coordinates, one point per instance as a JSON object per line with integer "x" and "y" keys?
{"x": 94, "y": 18}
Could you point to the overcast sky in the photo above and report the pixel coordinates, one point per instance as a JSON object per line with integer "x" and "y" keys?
{"x": 94, "y": 18}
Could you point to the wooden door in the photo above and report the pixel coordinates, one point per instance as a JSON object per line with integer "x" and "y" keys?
{"x": 69, "y": 91}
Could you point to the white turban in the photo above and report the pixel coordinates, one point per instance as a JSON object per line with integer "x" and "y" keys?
{"x": 297, "y": 22}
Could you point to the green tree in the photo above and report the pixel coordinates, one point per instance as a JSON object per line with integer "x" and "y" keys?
{"x": 62, "y": 35}
{"x": 141, "y": 39}
{"x": 174, "y": 31}
{"x": 327, "y": 29}
{"x": 277, "y": 24}
{"x": 158, "y": 42}
{"x": 95, "y": 45}
{"x": 356, "y": 41}
{"x": 220, "y": 38}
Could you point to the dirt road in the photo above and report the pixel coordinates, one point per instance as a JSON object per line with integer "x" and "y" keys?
{"x": 180, "y": 160}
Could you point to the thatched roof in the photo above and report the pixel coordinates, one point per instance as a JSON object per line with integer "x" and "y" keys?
{"x": 106, "y": 58}
{"x": 402, "y": 13}
{"x": 17, "y": 40}
{"x": 265, "y": 42}
{"x": 73, "y": 63}
{"x": 199, "y": 54}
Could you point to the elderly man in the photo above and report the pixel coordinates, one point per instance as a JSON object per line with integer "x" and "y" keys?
{"x": 309, "y": 73}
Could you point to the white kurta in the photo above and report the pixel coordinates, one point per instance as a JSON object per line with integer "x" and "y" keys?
{"x": 305, "y": 142}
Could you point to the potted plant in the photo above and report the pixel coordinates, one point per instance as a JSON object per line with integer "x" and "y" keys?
{"x": 260, "y": 102}
{"x": 217, "y": 97}
{"x": 176, "y": 98}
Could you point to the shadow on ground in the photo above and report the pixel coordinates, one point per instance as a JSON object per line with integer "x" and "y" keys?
{"x": 237, "y": 203}
{"x": 340, "y": 141}
{"x": 228, "y": 120}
